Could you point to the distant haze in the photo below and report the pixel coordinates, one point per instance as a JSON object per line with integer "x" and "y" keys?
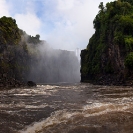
{"x": 52, "y": 65}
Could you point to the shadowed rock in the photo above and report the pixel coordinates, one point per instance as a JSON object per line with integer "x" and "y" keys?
{"x": 31, "y": 84}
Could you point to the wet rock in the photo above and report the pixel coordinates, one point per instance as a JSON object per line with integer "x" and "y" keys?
{"x": 31, "y": 84}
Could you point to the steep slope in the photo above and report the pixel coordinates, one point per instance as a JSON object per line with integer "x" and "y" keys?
{"x": 24, "y": 58}
{"x": 108, "y": 58}
{"x": 12, "y": 55}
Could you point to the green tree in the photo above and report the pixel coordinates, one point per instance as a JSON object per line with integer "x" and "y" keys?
{"x": 129, "y": 1}
{"x": 38, "y": 36}
{"x": 129, "y": 61}
{"x": 9, "y": 31}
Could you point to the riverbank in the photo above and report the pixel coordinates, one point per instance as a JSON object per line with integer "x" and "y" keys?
{"x": 108, "y": 80}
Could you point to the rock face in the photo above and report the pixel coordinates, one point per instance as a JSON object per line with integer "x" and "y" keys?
{"x": 26, "y": 58}
{"x": 108, "y": 58}
{"x": 12, "y": 55}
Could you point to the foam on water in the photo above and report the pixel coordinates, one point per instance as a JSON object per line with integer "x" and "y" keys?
{"x": 55, "y": 118}
{"x": 63, "y": 116}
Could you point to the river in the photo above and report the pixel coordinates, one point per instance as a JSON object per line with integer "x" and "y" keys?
{"x": 67, "y": 108}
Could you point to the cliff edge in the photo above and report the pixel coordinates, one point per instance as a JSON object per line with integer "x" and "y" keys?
{"x": 108, "y": 58}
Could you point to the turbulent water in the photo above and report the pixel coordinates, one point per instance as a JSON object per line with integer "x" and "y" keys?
{"x": 73, "y": 108}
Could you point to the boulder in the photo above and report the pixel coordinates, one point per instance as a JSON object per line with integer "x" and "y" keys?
{"x": 31, "y": 84}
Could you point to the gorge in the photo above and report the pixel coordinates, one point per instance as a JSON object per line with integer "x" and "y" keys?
{"x": 60, "y": 103}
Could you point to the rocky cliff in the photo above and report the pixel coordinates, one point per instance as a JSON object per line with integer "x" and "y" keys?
{"x": 24, "y": 58}
{"x": 12, "y": 55}
{"x": 108, "y": 58}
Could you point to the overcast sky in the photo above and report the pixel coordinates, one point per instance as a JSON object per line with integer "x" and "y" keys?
{"x": 64, "y": 24}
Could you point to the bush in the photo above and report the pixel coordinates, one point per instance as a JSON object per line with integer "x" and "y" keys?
{"x": 129, "y": 61}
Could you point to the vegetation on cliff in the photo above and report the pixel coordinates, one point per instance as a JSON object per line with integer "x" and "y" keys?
{"x": 108, "y": 58}
{"x": 14, "y": 55}
{"x": 24, "y": 57}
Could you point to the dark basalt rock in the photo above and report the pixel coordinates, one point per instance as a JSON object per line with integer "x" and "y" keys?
{"x": 31, "y": 84}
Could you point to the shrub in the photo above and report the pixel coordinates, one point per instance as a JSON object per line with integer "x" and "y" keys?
{"x": 129, "y": 61}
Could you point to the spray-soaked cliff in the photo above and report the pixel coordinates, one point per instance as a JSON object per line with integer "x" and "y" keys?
{"x": 49, "y": 65}
{"x": 108, "y": 58}
{"x": 24, "y": 57}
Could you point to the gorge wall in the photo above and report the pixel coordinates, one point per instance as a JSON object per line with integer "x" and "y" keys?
{"x": 108, "y": 58}
{"x": 24, "y": 58}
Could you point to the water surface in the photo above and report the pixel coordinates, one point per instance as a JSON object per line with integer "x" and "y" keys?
{"x": 67, "y": 108}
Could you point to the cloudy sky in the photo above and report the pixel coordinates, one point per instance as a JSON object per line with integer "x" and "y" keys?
{"x": 64, "y": 24}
